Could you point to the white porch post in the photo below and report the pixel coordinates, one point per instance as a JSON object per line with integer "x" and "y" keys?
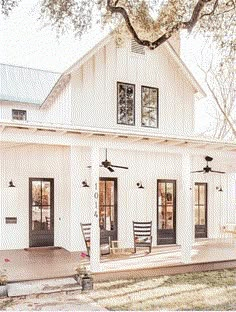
{"x": 230, "y": 185}
{"x": 1, "y": 186}
{"x": 95, "y": 230}
{"x": 187, "y": 210}
{"x": 75, "y": 206}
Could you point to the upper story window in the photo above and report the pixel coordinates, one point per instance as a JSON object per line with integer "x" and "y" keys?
{"x": 18, "y": 114}
{"x": 125, "y": 103}
{"x": 149, "y": 103}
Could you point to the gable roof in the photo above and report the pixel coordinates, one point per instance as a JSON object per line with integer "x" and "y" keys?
{"x": 34, "y": 87}
{"x": 187, "y": 73}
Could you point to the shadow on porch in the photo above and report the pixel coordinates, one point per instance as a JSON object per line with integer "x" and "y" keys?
{"x": 51, "y": 263}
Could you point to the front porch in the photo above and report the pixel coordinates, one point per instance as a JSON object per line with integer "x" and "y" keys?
{"x": 53, "y": 263}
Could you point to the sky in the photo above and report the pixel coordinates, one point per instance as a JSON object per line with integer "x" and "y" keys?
{"x": 26, "y": 41}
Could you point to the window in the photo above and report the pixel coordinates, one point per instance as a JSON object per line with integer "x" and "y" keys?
{"x": 18, "y": 114}
{"x": 200, "y": 208}
{"x": 125, "y": 103}
{"x": 107, "y": 204}
{"x": 149, "y": 99}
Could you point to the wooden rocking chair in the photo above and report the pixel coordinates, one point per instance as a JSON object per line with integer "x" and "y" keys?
{"x": 142, "y": 235}
{"x": 104, "y": 244}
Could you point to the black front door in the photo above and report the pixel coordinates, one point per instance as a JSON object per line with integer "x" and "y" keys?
{"x": 108, "y": 208}
{"x": 200, "y": 210}
{"x": 166, "y": 212}
{"x": 41, "y": 212}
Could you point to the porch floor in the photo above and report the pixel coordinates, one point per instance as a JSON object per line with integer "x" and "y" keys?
{"x": 51, "y": 263}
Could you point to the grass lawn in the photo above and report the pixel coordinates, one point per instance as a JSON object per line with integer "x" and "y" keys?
{"x": 213, "y": 290}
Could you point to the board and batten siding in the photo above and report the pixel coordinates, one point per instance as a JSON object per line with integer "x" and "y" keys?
{"x": 72, "y": 202}
{"x": 42, "y": 162}
{"x": 94, "y": 89}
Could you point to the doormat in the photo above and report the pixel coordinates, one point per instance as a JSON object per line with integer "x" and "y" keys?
{"x": 42, "y": 248}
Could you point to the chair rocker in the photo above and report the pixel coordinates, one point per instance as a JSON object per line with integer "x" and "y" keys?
{"x": 142, "y": 235}
{"x": 104, "y": 243}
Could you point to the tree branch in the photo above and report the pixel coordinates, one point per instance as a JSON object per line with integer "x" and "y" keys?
{"x": 212, "y": 11}
{"x": 152, "y": 45}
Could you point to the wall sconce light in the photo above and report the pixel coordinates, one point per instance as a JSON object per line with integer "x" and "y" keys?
{"x": 11, "y": 184}
{"x": 85, "y": 184}
{"x": 139, "y": 185}
{"x": 219, "y": 188}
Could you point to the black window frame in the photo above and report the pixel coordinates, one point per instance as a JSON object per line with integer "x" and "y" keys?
{"x": 18, "y": 111}
{"x": 157, "y": 107}
{"x": 117, "y": 86}
{"x": 197, "y": 202}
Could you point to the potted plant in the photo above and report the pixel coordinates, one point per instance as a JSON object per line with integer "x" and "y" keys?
{"x": 3, "y": 280}
{"x": 84, "y": 278}
{"x": 81, "y": 270}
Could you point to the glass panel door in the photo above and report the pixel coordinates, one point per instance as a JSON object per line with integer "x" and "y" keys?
{"x": 200, "y": 210}
{"x": 166, "y": 208}
{"x": 108, "y": 208}
{"x": 41, "y": 212}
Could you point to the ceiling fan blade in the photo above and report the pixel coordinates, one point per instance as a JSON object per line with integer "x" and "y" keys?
{"x": 121, "y": 167}
{"x": 217, "y": 171}
{"x": 110, "y": 169}
{"x": 198, "y": 171}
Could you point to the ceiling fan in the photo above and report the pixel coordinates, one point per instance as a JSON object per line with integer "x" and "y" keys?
{"x": 108, "y": 165}
{"x": 207, "y": 168}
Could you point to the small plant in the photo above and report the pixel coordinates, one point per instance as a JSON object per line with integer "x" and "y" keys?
{"x": 82, "y": 271}
{"x": 3, "y": 278}
{"x": 3, "y": 275}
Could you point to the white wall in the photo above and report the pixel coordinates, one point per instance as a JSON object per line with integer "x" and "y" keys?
{"x": 141, "y": 204}
{"x": 94, "y": 89}
{"x": 68, "y": 167}
{"x": 59, "y": 111}
{"x": 20, "y": 164}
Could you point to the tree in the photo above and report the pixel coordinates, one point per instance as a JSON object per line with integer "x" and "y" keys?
{"x": 220, "y": 81}
{"x": 149, "y": 22}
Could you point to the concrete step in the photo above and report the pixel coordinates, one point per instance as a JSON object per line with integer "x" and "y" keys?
{"x": 42, "y": 287}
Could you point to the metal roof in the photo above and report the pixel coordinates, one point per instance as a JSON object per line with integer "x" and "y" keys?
{"x": 25, "y": 85}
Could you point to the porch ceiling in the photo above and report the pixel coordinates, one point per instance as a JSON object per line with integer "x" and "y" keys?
{"x": 118, "y": 135}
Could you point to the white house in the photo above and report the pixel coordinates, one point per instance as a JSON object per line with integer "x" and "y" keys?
{"x": 136, "y": 106}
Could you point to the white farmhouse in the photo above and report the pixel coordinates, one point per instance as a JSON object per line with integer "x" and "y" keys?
{"x": 132, "y": 107}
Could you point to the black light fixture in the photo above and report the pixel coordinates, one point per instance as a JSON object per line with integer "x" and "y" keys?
{"x": 139, "y": 185}
{"x": 219, "y": 188}
{"x": 11, "y": 184}
{"x": 85, "y": 184}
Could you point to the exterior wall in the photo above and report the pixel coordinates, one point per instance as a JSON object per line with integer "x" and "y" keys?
{"x": 59, "y": 111}
{"x": 19, "y": 164}
{"x": 94, "y": 90}
{"x": 68, "y": 167}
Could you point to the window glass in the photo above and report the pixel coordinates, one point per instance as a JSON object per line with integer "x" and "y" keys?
{"x": 125, "y": 103}
{"x": 107, "y": 204}
{"x": 18, "y": 114}
{"x": 41, "y": 205}
{"x": 149, "y": 97}
{"x": 165, "y": 205}
{"x": 200, "y": 191}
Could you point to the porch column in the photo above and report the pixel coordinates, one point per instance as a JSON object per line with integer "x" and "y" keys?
{"x": 187, "y": 209}
{"x": 230, "y": 185}
{"x": 1, "y": 186}
{"x": 75, "y": 204}
{"x": 95, "y": 230}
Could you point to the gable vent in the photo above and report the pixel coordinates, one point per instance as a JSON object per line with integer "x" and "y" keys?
{"x": 137, "y": 48}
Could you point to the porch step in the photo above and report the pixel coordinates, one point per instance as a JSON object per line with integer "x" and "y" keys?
{"x": 46, "y": 286}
